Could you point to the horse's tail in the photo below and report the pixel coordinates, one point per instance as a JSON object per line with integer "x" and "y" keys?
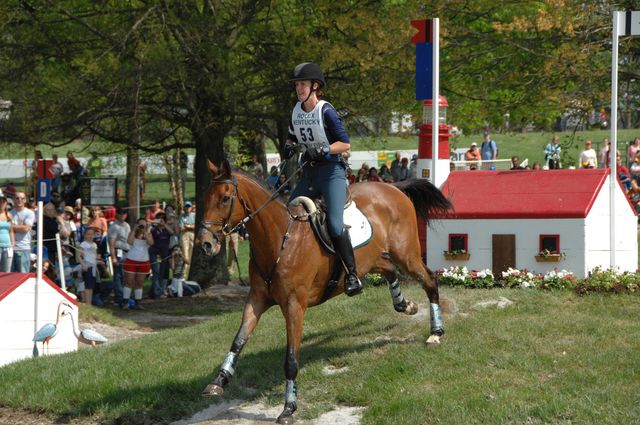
{"x": 427, "y": 199}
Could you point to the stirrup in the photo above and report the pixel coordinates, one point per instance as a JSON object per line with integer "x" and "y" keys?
{"x": 352, "y": 289}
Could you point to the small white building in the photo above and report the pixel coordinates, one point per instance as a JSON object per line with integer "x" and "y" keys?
{"x": 505, "y": 219}
{"x": 20, "y": 300}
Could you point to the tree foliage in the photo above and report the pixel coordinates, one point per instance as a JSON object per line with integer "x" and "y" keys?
{"x": 138, "y": 73}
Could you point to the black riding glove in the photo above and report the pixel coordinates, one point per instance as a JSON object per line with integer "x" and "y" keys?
{"x": 316, "y": 151}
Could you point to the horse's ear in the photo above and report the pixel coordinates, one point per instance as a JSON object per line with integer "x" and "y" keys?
{"x": 213, "y": 169}
{"x": 220, "y": 172}
{"x": 225, "y": 169}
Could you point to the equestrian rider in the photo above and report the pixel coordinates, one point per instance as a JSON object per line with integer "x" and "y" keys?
{"x": 317, "y": 129}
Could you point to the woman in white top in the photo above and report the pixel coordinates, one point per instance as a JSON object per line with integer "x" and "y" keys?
{"x": 136, "y": 266}
{"x": 588, "y": 157}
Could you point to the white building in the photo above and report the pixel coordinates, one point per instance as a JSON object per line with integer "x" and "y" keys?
{"x": 20, "y": 300}
{"x": 505, "y": 219}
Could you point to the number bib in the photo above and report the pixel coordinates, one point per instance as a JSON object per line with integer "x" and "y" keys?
{"x": 308, "y": 127}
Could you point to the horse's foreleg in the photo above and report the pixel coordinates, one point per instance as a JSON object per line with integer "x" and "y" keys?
{"x": 400, "y": 303}
{"x": 253, "y": 309}
{"x": 294, "y": 314}
{"x": 418, "y": 270}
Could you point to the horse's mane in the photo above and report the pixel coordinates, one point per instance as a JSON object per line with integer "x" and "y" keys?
{"x": 257, "y": 180}
{"x": 427, "y": 199}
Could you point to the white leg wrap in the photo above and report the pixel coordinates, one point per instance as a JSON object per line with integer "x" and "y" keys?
{"x": 229, "y": 363}
{"x": 436, "y": 318}
{"x": 290, "y": 392}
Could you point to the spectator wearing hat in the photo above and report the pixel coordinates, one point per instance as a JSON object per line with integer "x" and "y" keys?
{"x": 472, "y": 156}
{"x": 70, "y": 226}
{"x": 7, "y": 237}
{"x": 118, "y": 247}
{"x": 187, "y": 225}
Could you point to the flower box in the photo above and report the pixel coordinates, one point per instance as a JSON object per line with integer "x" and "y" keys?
{"x": 456, "y": 257}
{"x": 549, "y": 258}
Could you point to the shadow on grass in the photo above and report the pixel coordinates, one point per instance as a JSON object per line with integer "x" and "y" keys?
{"x": 257, "y": 374}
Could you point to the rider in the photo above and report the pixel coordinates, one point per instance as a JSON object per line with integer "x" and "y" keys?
{"x": 316, "y": 128}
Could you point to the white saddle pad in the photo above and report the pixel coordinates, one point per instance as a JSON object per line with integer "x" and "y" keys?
{"x": 360, "y": 229}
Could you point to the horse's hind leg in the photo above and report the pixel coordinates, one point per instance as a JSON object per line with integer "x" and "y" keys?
{"x": 253, "y": 309}
{"x": 418, "y": 271}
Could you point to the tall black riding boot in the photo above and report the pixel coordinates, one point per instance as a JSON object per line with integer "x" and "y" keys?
{"x": 342, "y": 245}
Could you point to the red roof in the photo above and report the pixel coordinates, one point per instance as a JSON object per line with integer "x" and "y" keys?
{"x": 524, "y": 193}
{"x": 10, "y": 281}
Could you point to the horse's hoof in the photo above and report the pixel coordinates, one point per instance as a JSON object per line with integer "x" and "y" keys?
{"x": 433, "y": 339}
{"x": 286, "y": 417}
{"x": 213, "y": 390}
{"x": 285, "y": 420}
{"x": 412, "y": 308}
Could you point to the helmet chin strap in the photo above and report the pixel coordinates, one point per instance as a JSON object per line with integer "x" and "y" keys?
{"x": 310, "y": 91}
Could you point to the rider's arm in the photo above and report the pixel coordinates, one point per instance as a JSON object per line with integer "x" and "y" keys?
{"x": 338, "y": 137}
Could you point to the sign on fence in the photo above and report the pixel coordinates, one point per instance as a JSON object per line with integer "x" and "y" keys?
{"x": 43, "y": 192}
{"x": 98, "y": 191}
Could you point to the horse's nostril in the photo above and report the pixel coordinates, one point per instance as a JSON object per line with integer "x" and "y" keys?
{"x": 207, "y": 248}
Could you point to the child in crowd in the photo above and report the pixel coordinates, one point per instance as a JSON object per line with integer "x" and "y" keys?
{"x": 180, "y": 287}
{"x": 89, "y": 260}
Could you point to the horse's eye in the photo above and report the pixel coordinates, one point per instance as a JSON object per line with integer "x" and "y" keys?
{"x": 225, "y": 199}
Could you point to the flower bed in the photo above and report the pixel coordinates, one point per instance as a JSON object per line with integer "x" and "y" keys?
{"x": 599, "y": 280}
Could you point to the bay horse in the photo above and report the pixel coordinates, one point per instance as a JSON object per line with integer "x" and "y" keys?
{"x": 290, "y": 268}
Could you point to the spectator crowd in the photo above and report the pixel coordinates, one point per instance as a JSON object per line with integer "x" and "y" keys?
{"x": 104, "y": 259}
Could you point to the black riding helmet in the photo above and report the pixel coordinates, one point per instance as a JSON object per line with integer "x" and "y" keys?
{"x": 308, "y": 71}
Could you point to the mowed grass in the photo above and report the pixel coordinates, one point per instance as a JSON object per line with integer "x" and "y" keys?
{"x": 550, "y": 357}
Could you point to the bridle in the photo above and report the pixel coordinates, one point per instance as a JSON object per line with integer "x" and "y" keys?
{"x": 225, "y": 226}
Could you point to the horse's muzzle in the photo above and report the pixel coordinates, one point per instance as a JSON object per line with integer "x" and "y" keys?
{"x": 209, "y": 243}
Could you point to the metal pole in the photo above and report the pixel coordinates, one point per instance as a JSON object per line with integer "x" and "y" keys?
{"x": 435, "y": 99}
{"x": 60, "y": 263}
{"x": 38, "y": 266}
{"x": 613, "y": 150}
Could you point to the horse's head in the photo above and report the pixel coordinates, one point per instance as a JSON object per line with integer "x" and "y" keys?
{"x": 221, "y": 210}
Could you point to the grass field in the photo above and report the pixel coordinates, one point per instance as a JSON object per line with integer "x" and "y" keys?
{"x": 551, "y": 357}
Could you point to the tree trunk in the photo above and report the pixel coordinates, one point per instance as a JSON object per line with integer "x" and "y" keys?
{"x": 133, "y": 184}
{"x": 177, "y": 166}
{"x": 205, "y": 270}
{"x": 169, "y": 165}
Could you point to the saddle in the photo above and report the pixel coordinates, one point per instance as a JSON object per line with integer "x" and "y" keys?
{"x": 359, "y": 227}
